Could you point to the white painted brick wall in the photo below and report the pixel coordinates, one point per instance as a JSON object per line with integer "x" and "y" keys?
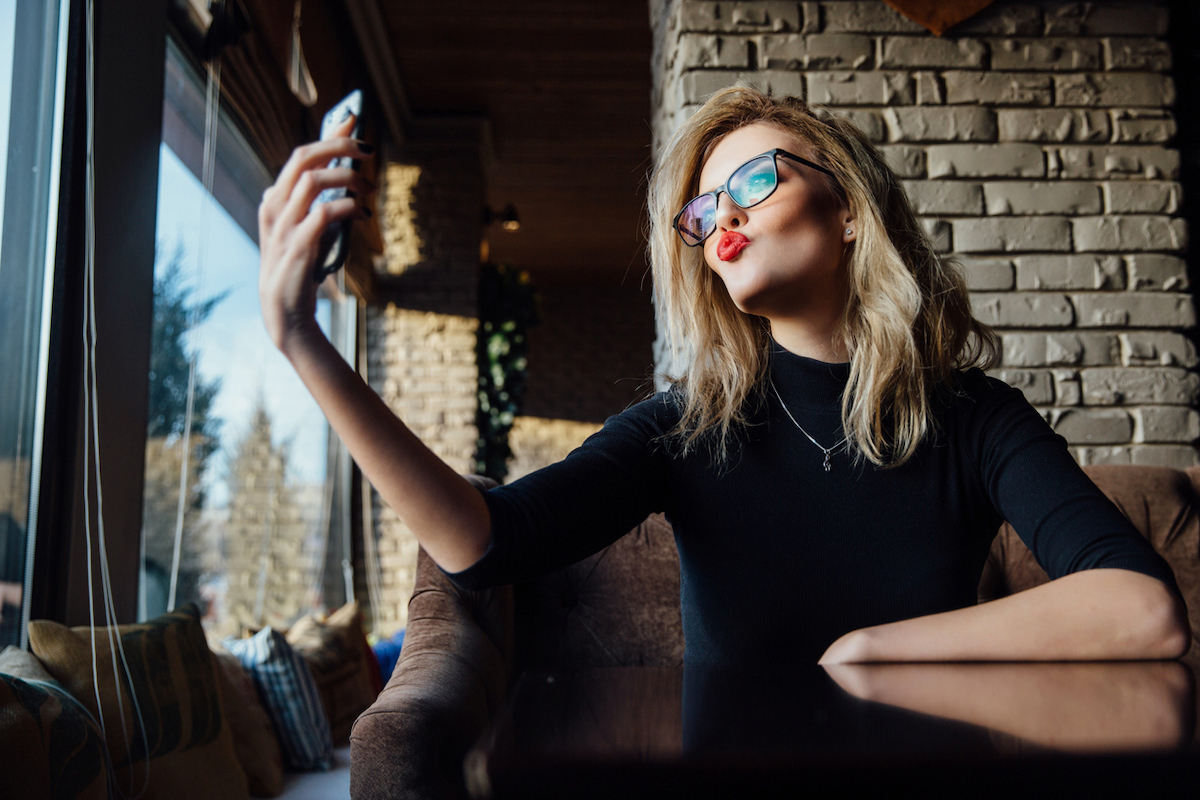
{"x": 1035, "y": 142}
{"x": 1053, "y": 125}
{"x": 1056, "y": 273}
{"x": 927, "y": 52}
{"x": 932, "y": 124}
{"x": 1042, "y": 197}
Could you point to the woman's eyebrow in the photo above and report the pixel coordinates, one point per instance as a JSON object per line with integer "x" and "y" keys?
{"x": 727, "y": 177}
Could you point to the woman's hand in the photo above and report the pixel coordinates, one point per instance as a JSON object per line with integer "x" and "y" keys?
{"x": 851, "y": 648}
{"x": 289, "y": 231}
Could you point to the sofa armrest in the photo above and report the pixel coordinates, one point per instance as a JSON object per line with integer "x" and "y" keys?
{"x": 450, "y": 681}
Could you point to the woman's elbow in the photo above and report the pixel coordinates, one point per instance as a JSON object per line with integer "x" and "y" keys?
{"x": 1170, "y": 634}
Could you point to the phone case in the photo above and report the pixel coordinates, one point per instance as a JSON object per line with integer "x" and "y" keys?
{"x": 335, "y": 241}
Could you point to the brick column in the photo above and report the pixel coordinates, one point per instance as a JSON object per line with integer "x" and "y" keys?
{"x": 1034, "y": 140}
{"x": 421, "y": 325}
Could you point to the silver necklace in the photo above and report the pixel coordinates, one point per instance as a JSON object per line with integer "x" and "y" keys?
{"x": 826, "y": 450}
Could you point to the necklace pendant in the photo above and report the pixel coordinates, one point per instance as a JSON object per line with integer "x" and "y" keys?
{"x": 828, "y": 466}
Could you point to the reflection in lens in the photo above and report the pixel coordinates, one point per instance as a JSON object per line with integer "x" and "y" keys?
{"x": 753, "y": 183}
{"x": 699, "y": 218}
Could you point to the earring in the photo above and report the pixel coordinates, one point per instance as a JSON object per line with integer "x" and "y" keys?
{"x": 849, "y": 231}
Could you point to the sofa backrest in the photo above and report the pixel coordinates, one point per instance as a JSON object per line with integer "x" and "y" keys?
{"x": 619, "y": 607}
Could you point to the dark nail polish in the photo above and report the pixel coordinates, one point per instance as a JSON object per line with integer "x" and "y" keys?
{"x": 365, "y": 148}
{"x": 367, "y": 211}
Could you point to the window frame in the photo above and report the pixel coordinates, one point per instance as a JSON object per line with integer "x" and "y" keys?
{"x": 130, "y": 50}
{"x": 130, "y": 45}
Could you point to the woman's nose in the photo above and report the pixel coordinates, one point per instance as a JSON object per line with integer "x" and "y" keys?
{"x": 729, "y": 214}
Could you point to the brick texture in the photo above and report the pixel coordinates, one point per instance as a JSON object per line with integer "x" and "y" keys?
{"x": 420, "y": 333}
{"x": 1036, "y": 143}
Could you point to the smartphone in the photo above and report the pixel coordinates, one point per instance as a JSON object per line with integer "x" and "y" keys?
{"x": 335, "y": 241}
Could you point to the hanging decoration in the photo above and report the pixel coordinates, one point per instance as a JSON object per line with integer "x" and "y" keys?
{"x": 939, "y": 15}
{"x": 299, "y": 79}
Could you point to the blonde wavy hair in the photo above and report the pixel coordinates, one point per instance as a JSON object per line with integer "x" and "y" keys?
{"x": 907, "y": 324}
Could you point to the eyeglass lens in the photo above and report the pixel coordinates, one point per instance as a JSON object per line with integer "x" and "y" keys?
{"x": 752, "y": 183}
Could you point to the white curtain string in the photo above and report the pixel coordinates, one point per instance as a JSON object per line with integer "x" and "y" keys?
{"x": 91, "y": 432}
{"x": 212, "y": 104}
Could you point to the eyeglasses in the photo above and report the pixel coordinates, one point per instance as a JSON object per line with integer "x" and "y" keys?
{"x": 749, "y": 185}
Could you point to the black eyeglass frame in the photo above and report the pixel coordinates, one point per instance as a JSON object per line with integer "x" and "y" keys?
{"x": 716, "y": 193}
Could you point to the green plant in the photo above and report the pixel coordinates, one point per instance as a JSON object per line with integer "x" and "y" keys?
{"x": 507, "y": 310}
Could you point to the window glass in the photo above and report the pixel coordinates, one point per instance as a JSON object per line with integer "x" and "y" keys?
{"x": 259, "y": 484}
{"x": 30, "y": 122}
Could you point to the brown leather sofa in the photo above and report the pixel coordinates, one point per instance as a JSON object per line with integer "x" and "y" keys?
{"x": 620, "y": 607}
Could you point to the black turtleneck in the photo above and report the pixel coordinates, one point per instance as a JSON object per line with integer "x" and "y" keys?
{"x": 779, "y": 557}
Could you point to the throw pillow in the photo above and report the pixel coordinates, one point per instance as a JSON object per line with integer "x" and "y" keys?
{"x": 52, "y": 746}
{"x": 175, "y": 742}
{"x": 253, "y": 735}
{"x": 285, "y": 686}
{"x": 387, "y": 651}
{"x": 337, "y": 651}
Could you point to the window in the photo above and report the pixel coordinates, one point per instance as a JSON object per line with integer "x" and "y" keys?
{"x": 266, "y": 483}
{"x": 32, "y": 45}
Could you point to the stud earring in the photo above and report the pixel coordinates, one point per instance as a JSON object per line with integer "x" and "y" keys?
{"x": 849, "y": 231}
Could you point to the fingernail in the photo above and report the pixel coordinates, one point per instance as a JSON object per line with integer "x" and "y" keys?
{"x": 345, "y": 115}
{"x": 365, "y": 148}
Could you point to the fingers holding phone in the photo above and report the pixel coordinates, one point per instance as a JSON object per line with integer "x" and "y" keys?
{"x": 304, "y": 221}
{"x": 335, "y": 240}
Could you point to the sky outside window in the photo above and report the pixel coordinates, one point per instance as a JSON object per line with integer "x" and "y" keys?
{"x": 232, "y": 343}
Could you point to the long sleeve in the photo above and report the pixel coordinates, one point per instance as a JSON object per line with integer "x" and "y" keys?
{"x": 1065, "y": 520}
{"x": 565, "y": 512}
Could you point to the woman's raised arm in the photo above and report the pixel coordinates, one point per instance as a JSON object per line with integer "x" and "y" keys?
{"x": 446, "y": 514}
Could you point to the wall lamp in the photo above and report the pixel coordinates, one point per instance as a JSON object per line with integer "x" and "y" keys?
{"x": 507, "y": 218}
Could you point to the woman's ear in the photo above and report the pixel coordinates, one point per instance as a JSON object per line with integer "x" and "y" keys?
{"x": 849, "y": 229}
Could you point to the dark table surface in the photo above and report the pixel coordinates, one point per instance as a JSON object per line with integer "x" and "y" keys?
{"x": 929, "y": 730}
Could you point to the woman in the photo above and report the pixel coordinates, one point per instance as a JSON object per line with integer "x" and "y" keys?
{"x": 833, "y": 470}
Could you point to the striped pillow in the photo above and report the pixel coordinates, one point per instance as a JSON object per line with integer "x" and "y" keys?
{"x": 288, "y": 693}
{"x": 52, "y": 744}
{"x": 175, "y": 741}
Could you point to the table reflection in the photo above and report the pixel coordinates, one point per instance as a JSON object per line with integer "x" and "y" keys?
{"x": 942, "y": 709}
{"x": 1069, "y": 707}
{"x": 857, "y": 711}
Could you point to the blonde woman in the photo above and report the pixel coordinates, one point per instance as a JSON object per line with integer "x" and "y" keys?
{"x": 833, "y": 461}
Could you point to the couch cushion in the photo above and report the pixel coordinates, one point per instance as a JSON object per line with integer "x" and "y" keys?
{"x": 253, "y": 734}
{"x": 1161, "y": 502}
{"x": 619, "y": 607}
{"x": 52, "y": 746}
{"x": 285, "y": 685}
{"x": 342, "y": 663}
{"x": 182, "y": 746}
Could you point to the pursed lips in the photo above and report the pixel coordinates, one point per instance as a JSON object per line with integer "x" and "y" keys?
{"x": 730, "y": 245}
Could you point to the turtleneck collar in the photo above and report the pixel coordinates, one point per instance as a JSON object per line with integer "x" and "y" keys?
{"x": 806, "y": 381}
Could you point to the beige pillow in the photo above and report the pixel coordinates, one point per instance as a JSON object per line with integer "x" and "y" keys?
{"x": 254, "y": 738}
{"x": 336, "y": 649}
{"x": 51, "y": 746}
{"x": 187, "y": 748}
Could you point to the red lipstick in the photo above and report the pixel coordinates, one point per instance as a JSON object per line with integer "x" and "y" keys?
{"x": 730, "y": 245}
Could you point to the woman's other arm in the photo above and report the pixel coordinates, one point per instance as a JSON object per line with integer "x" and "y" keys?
{"x": 446, "y": 514}
{"x": 1112, "y": 596}
{"x": 1093, "y": 615}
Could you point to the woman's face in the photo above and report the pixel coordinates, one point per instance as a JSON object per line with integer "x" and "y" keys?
{"x": 790, "y": 261}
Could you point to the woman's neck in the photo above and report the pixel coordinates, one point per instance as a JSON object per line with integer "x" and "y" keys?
{"x": 810, "y": 339}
